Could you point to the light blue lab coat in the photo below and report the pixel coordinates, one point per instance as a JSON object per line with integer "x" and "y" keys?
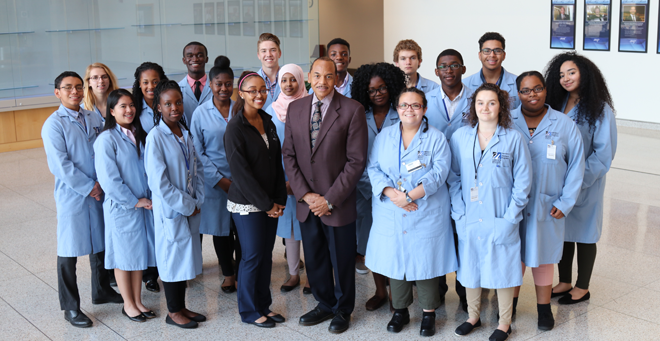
{"x": 418, "y": 245}
{"x": 208, "y": 129}
{"x": 270, "y": 99}
{"x": 347, "y": 90}
{"x": 96, "y": 110}
{"x": 178, "y": 246}
{"x": 426, "y": 85}
{"x": 556, "y": 182}
{"x": 129, "y": 231}
{"x": 288, "y": 218}
{"x": 585, "y": 223}
{"x": 438, "y": 116}
{"x": 70, "y": 153}
{"x": 487, "y": 228}
{"x": 508, "y": 85}
{"x": 147, "y": 117}
{"x": 190, "y": 102}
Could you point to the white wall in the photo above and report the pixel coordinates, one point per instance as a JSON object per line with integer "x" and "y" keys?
{"x": 438, "y": 25}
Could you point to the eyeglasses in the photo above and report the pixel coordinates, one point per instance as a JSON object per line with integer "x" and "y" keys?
{"x": 498, "y": 51}
{"x": 70, "y": 88}
{"x": 253, "y": 93}
{"x": 382, "y": 90}
{"x": 414, "y": 106}
{"x": 443, "y": 67}
{"x": 537, "y": 90}
{"x": 96, "y": 78}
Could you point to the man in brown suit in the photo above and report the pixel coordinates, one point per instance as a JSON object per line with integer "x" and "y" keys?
{"x": 325, "y": 153}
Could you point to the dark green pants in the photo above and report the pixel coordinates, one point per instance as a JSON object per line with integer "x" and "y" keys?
{"x": 427, "y": 293}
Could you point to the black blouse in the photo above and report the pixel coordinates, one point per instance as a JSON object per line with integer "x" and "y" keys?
{"x": 256, "y": 170}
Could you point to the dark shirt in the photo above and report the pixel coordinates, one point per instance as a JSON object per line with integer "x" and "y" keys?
{"x": 257, "y": 173}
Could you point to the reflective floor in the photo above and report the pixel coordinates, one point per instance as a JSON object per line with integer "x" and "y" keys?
{"x": 625, "y": 287}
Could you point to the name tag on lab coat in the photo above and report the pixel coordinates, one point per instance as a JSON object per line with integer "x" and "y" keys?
{"x": 474, "y": 194}
{"x": 552, "y": 151}
{"x": 414, "y": 166}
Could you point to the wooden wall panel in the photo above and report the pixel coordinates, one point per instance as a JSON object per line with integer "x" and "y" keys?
{"x": 7, "y": 127}
{"x": 29, "y": 123}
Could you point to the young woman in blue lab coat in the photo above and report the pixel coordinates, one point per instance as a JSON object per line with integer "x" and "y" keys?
{"x": 292, "y": 87}
{"x": 256, "y": 198}
{"x": 577, "y": 87}
{"x": 555, "y": 145}
{"x": 129, "y": 239}
{"x": 411, "y": 239}
{"x": 376, "y": 87}
{"x": 489, "y": 182}
{"x": 147, "y": 76}
{"x": 176, "y": 180}
{"x": 99, "y": 82}
{"x": 209, "y": 122}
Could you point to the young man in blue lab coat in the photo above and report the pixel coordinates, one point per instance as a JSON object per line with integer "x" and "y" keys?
{"x": 195, "y": 86}
{"x": 269, "y": 53}
{"x": 339, "y": 50}
{"x": 408, "y": 58}
{"x": 491, "y": 55}
{"x": 68, "y": 136}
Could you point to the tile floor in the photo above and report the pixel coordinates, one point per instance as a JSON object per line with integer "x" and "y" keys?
{"x": 625, "y": 287}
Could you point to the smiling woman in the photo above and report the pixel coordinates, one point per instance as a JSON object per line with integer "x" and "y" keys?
{"x": 99, "y": 82}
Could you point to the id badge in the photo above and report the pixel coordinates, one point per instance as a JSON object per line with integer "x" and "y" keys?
{"x": 552, "y": 151}
{"x": 414, "y": 166}
{"x": 189, "y": 186}
{"x": 474, "y": 194}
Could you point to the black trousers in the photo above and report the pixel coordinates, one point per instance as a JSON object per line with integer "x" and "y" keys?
{"x": 330, "y": 256}
{"x": 67, "y": 285}
{"x": 443, "y": 287}
{"x": 225, "y": 247}
{"x": 175, "y": 295}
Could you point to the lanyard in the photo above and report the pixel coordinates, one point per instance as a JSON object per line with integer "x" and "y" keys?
{"x": 400, "y": 143}
{"x": 474, "y": 160}
{"x": 445, "y": 105}
{"x": 185, "y": 155}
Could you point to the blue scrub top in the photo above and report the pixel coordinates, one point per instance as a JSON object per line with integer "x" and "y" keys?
{"x": 487, "y": 227}
{"x": 437, "y": 113}
{"x": 508, "y": 84}
{"x": 556, "y": 183}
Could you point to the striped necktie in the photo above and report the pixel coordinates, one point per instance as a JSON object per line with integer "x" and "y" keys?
{"x": 81, "y": 119}
{"x": 316, "y": 123}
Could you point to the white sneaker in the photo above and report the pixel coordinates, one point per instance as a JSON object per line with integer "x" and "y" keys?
{"x": 361, "y": 268}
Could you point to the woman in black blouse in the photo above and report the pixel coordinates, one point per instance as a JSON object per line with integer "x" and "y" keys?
{"x": 256, "y": 197}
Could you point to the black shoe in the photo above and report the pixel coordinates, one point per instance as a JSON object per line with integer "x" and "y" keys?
{"x": 198, "y": 318}
{"x": 560, "y": 294}
{"x": 307, "y": 290}
{"x": 152, "y": 285}
{"x": 428, "y": 324}
{"x": 400, "y": 318}
{"x": 499, "y": 335}
{"x": 189, "y": 325}
{"x": 568, "y": 299}
{"x": 315, "y": 317}
{"x": 287, "y": 288}
{"x": 139, "y": 318}
{"x": 546, "y": 321}
{"x": 269, "y": 323}
{"x": 277, "y": 318}
{"x": 77, "y": 318}
{"x": 466, "y": 328}
{"x": 339, "y": 323}
{"x": 111, "y": 297}
{"x": 149, "y": 314}
{"x": 464, "y": 303}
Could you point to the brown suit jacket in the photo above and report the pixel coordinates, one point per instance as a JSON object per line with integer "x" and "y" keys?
{"x": 338, "y": 160}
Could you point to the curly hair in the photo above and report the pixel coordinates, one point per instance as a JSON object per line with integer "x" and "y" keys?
{"x": 407, "y": 45}
{"x": 424, "y": 103}
{"x": 166, "y": 85}
{"x": 492, "y": 36}
{"x": 504, "y": 116}
{"x": 394, "y": 79}
{"x": 138, "y": 96}
{"x": 592, "y": 90}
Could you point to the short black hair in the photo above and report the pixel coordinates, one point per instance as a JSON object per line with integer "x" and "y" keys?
{"x": 449, "y": 52}
{"x": 65, "y": 74}
{"x": 491, "y": 36}
{"x": 339, "y": 41}
{"x": 195, "y": 43}
{"x": 324, "y": 58}
{"x": 536, "y": 74}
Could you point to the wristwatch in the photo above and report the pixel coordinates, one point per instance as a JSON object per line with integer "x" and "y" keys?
{"x": 408, "y": 198}
{"x": 329, "y": 205}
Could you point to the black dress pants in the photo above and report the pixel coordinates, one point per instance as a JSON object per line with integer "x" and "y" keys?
{"x": 67, "y": 284}
{"x": 330, "y": 257}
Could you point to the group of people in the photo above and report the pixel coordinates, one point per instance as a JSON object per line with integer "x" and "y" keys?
{"x": 382, "y": 171}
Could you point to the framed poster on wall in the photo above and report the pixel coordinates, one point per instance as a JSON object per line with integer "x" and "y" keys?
{"x": 634, "y": 26}
{"x": 295, "y": 18}
{"x": 220, "y": 17}
{"x": 265, "y": 22}
{"x": 209, "y": 18}
{"x": 279, "y": 18}
{"x": 234, "y": 18}
{"x": 597, "y": 28}
{"x": 248, "y": 18}
{"x": 562, "y": 24}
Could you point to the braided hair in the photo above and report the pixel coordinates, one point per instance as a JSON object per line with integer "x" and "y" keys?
{"x": 166, "y": 85}
{"x": 393, "y": 77}
{"x": 138, "y": 96}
